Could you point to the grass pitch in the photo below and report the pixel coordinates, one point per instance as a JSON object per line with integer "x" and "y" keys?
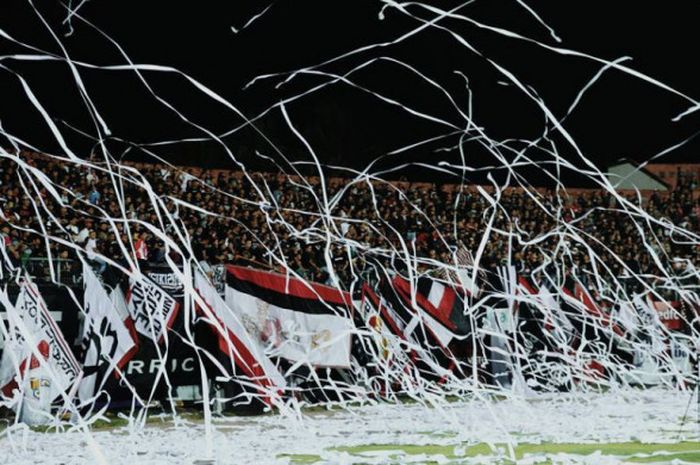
{"x": 546, "y": 453}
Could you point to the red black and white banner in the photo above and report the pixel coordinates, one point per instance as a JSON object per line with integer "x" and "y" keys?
{"x": 152, "y": 309}
{"x": 425, "y": 324}
{"x": 441, "y": 308}
{"x": 579, "y": 297}
{"x": 293, "y": 319}
{"x": 545, "y": 307}
{"x": 245, "y": 351}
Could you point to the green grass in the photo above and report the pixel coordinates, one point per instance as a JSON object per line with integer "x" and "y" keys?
{"x": 113, "y": 421}
{"x": 627, "y": 451}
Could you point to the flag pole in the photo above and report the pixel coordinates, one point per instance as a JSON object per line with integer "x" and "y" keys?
{"x": 71, "y": 394}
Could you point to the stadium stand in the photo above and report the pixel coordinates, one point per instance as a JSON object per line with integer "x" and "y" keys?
{"x": 240, "y": 219}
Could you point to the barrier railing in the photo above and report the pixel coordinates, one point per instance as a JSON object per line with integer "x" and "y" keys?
{"x": 69, "y": 272}
{"x": 66, "y": 271}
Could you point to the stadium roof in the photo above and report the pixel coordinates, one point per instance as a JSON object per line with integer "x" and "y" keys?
{"x": 627, "y": 174}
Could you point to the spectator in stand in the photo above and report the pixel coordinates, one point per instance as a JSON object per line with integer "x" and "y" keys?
{"x": 92, "y": 252}
{"x": 234, "y": 225}
{"x": 141, "y": 246}
{"x": 83, "y": 234}
{"x": 94, "y": 196}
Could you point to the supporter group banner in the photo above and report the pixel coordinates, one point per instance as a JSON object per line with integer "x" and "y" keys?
{"x": 165, "y": 278}
{"x": 262, "y": 323}
{"x": 152, "y": 308}
{"x": 34, "y": 341}
{"x": 293, "y": 319}
{"x": 668, "y": 312}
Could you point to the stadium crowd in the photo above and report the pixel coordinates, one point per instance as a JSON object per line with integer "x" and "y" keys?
{"x": 259, "y": 219}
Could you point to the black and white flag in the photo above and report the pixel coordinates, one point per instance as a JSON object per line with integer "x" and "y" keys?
{"x": 151, "y": 308}
{"x": 108, "y": 335}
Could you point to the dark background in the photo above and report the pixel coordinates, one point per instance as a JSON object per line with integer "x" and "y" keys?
{"x": 620, "y": 116}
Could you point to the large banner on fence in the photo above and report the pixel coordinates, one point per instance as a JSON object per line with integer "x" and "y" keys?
{"x": 293, "y": 319}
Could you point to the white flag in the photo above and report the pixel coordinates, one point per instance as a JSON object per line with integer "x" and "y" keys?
{"x": 34, "y": 341}
{"x": 561, "y": 327}
{"x": 106, "y": 337}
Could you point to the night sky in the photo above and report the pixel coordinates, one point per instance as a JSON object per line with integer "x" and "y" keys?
{"x": 620, "y": 116}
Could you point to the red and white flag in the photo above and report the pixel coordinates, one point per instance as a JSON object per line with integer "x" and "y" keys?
{"x": 247, "y": 353}
{"x": 555, "y": 321}
{"x": 296, "y": 320}
{"x": 141, "y": 249}
{"x": 34, "y": 341}
{"x": 439, "y": 307}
